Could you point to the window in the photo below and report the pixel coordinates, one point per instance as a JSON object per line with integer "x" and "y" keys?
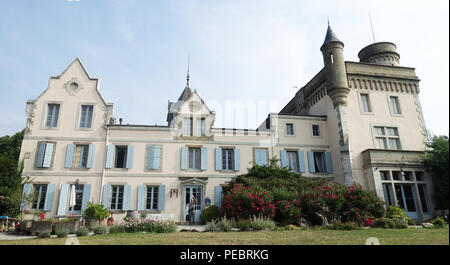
{"x": 331, "y": 58}
{"x": 52, "y": 115}
{"x": 387, "y": 138}
{"x": 395, "y": 105}
{"x": 365, "y": 103}
{"x": 422, "y": 194}
{"x": 316, "y": 130}
{"x": 78, "y": 197}
{"x": 319, "y": 162}
{"x": 44, "y": 154}
{"x": 407, "y": 175}
{"x": 419, "y": 176}
{"x": 260, "y": 156}
{"x": 289, "y": 129}
{"x": 293, "y": 160}
{"x": 194, "y": 158}
{"x": 121, "y": 157}
{"x": 81, "y": 156}
{"x": 117, "y": 197}
{"x": 396, "y": 175}
{"x": 187, "y": 127}
{"x": 388, "y": 195}
{"x": 201, "y": 127}
{"x": 40, "y": 192}
{"x": 86, "y": 116}
{"x": 384, "y": 175}
{"x": 227, "y": 159}
{"x": 152, "y": 198}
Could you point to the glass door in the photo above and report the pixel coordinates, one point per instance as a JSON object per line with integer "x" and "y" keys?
{"x": 406, "y": 199}
{"x": 195, "y": 191}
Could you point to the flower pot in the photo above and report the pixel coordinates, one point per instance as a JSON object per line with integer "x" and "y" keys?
{"x": 72, "y": 227}
{"x": 41, "y": 226}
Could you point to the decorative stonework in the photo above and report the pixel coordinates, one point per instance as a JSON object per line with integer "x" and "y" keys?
{"x": 383, "y": 85}
{"x": 30, "y": 116}
{"x": 73, "y": 86}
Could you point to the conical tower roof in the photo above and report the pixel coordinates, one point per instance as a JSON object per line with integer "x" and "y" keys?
{"x": 330, "y": 36}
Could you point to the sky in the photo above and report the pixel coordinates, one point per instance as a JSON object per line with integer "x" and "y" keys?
{"x": 245, "y": 55}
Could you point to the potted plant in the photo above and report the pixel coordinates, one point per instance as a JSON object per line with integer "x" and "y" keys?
{"x": 95, "y": 214}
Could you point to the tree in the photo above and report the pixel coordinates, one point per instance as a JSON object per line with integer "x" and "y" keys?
{"x": 11, "y": 180}
{"x": 436, "y": 163}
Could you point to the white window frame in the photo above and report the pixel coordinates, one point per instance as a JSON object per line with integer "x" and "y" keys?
{"x": 391, "y": 109}
{"x": 45, "y": 114}
{"x": 153, "y": 197}
{"x": 286, "y": 130}
{"x": 312, "y": 130}
{"x": 81, "y": 156}
{"x": 199, "y": 149}
{"x": 385, "y": 136}
{"x": 369, "y": 102}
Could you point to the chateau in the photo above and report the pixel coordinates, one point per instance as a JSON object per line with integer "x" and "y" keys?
{"x": 353, "y": 122}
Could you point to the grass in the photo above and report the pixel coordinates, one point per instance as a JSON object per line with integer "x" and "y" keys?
{"x": 410, "y": 236}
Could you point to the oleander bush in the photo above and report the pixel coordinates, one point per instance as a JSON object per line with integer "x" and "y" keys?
{"x": 288, "y": 198}
{"x": 82, "y": 231}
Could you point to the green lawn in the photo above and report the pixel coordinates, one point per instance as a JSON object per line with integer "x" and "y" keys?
{"x": 410, "y": 236}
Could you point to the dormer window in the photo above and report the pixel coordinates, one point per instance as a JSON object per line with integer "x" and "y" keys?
{"x": 187, "y": 127}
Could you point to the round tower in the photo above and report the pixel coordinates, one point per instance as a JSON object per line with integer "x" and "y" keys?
{"x": 333, "y": 58}
{"x": 384, "y": 53}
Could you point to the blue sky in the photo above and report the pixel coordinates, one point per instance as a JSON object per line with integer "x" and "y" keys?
{"x": 251, "y": 53}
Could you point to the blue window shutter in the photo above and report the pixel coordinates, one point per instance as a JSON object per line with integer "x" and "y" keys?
{"x": 109, "y": 156}
{"x": 91, "y": 156}
{"x": 301, "y": 161}
{"x": 161, "y": 197}
{"x": 157, "y": 157}
{"x": 184, "y": 157}
{"x": 49, "y": 197}
{"x": 48, "y": 155}
{"x": 63, "y": 196}
{"x": 86, "y": 196}
{"x": 69, "y": 155}
{"x": 130, "y": 154}
{"x": 237, "y": 159}
{"x": 263, "y": 157}
{"x": 106, "y": 196}
{"x": 218, "y": 156}
{"x": 204, "y": 157}
{"x": 141, "y": 197}
{"x": 311, "y": 165}
{"x": 126, "y": 197}
{"x": 150, "y": 155}
{"x": 218, "y": 196}
{"x": 328, "y": 162}
{"x": 40, "y": 157}
{"x": 283, "y": 156}
{"x": 26, "y": 193}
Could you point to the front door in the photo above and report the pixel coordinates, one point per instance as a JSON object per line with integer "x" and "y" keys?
{"x": 406, "y": 199}
{"x": 195, "y": 191}
{"x": 78, "y": 199}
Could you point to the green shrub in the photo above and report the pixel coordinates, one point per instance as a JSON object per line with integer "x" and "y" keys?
{"x": 61, "y": 232}
{"x": 389, "y": 223}
{"x": 96, "y": 211}
{"x": 343, "y": 226}
{"x": 439, "y": 222}
{"x": 68, "y": 220}
{"x": 100, "y": 230}
{"x": 209, "y": 214}
{"x": 144, "y": 214}
{"x": 82, "y": 231}
{"x": 397, "y": 212}
{"x": 115, "y": 229}
{"x": 44, "y": 234}
{"x": 212, "y": 226}
{"x": 133, "y": 225}
{"x": 243, "y": 225}
{"x": 225, "y": 224}
{"x": 261, "y": 223}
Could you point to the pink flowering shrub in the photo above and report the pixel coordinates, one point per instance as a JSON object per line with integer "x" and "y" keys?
{"x": 242, "y": 202}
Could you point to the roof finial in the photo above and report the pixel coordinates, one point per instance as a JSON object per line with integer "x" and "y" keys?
{"x": 328, "y": 19}
{"x": 187, "y": 76}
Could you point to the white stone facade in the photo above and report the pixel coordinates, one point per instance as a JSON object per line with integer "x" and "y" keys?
{"x": 71, "y": 135}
